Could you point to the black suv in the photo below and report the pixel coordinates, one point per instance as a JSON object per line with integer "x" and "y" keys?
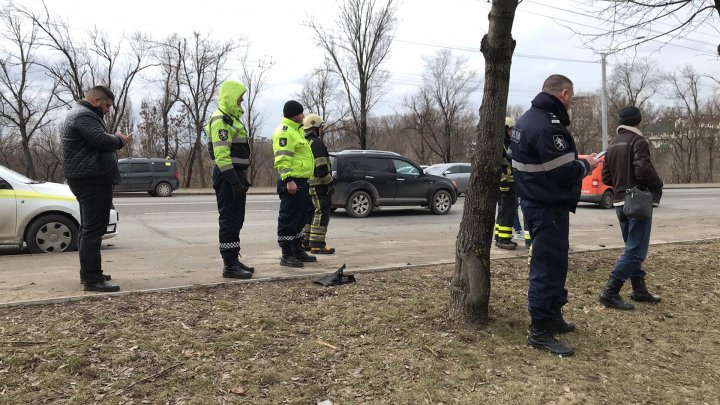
{"x": 159, "y": 177}
{"x": 365, "y": 179}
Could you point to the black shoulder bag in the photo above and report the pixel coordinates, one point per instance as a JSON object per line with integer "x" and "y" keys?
{"x": 638, "y": 200}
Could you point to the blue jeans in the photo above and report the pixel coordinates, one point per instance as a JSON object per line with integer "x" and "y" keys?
{"x": 516, "y": 222}
{"x": 636, "y": 234}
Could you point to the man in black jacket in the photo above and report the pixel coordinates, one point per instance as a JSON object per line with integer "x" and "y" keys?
{"x": 627, "y": 164}
{"x": 91, "y": 170}
{"x": 548, "y": 177}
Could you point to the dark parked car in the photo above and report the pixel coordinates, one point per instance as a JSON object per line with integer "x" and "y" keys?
{"x": 366, "y": 179}
{"x": 460, "y": 172}
{"x": 159, "y": 177}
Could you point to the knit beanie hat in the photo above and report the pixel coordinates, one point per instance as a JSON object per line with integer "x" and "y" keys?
{"x": 629, "y": 116}
{"x": 292, "y": 108}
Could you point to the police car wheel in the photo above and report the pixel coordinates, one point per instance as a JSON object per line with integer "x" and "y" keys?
{"x": 606, "y": 201}
{"x": 441, "y": 202}
{"x": 163, "y": 190}
{"x": 51, "y": 234}
{"x": 359, "y": 205}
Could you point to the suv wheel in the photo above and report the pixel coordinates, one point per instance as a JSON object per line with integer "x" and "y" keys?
{"x": 51, "y": 234}
{"x": 163, "y": 189}
{"x": 359, "y": 205}
{"x": 441, "y": 202}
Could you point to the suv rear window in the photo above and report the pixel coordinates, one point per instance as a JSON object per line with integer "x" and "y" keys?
{"x": 373, "y": 164}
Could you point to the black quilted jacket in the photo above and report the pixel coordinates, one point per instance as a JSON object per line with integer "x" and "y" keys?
{"x": 88, "y": 150}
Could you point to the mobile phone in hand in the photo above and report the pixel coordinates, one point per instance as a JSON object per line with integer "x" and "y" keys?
{"x": 600, "y": 154}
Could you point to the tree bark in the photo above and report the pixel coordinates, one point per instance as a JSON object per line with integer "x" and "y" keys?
{"x": 470, "y": 285}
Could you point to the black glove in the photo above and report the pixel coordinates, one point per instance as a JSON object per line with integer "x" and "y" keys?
{"x": 331, "y": 190}
{"x": 238, "y": 190}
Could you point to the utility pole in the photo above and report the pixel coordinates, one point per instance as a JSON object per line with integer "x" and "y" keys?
{"x": 603, "y": 100}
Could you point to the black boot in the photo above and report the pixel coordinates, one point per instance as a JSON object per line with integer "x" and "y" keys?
{"x": 506, "y": 244}
{"x": 541, "y": 337}
{"x": 288, "y": 258}
{"x": 559, "y": 325}
{"x": 640, "y": 292}
{"x": 101, "y": 286}
{"x": 610, "y": 296}
{"x": 234, "y": 269}
{"x": 300, "y": 253}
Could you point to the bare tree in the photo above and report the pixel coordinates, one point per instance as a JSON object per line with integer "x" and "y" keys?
{"x": 634, "y": 82}
{"x": 73, "y": 69}
{"x": 470, "y": 284}
{"x": 201, "y": 71}
{"x": 448, "y": 85}
{"x": 168, "y": 57}
{"x": 421, "y": 122}
{"x": 631, "y": 23}
{"x": 26, "y": 97}
{"x": 118, "y": 69}
{"x": 365, "y": 36}
{"x": 321, "y": 94}
{"x": 688, "y": 135}
{"x": 254, "y": 80}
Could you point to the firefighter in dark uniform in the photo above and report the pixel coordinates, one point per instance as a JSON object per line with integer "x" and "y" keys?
{"x": 321, "y": 189}
{"x": 294, "y": 163}
{"x": 230, "y": 150}
{"x": 507, "y": 203}
{"x": 548, "y": 177}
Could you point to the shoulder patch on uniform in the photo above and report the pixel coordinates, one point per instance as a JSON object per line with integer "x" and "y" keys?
{"x": 559, "y": 142}
{"x": 285, "y": 128}
{"x": 516, "y": 134}
{"x": 282, "y": 142}
{"x": 223, "y": 135}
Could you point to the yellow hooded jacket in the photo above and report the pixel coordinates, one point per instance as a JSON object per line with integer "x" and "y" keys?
{"x": 293, "y": 156}
{"x": 229, "y": 144}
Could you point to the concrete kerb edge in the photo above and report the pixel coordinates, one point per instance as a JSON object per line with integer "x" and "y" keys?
{"x": 75, "y": 298}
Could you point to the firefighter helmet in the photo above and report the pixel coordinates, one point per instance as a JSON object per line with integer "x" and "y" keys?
{"x": 509, "y": 122}
{"x": 312, "y": 120}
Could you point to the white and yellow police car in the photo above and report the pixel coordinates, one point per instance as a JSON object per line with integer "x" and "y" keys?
{"x": 43, "y": 216}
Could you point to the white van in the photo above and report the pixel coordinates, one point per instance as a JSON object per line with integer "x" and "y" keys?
{"x": 44, "y": 216}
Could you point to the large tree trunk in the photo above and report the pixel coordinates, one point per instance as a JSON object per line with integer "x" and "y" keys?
{"x": 470, "y": 285}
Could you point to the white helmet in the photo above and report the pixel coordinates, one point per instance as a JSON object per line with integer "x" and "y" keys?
{"x": 509, "y": 122}
{"x": 312, "y": 120}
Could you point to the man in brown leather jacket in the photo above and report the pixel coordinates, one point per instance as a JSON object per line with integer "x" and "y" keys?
{"x": 635, "y": 233}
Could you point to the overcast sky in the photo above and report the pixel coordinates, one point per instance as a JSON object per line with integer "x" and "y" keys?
{"x": 277, "y": 31}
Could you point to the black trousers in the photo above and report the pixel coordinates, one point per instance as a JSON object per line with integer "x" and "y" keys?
{"x": 231, "y": 210}
{"x": 549, "y": 226}
{"x": 293, "y": 209}
{"x": 317, "y": 217}
{"x": 507, "y": 207}
{"x": 95, "y": 203}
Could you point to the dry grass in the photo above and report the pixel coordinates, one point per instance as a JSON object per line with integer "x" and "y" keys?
{"x": 385, "y": 339}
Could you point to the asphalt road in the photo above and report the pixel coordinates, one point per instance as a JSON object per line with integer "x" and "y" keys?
{"x": 170, "y": 242}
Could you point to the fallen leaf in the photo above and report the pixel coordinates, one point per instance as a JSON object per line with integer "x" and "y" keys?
{"x": 239, "y": 390}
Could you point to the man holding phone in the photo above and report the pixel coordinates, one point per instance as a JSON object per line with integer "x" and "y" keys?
{"x": 91, "y": 170}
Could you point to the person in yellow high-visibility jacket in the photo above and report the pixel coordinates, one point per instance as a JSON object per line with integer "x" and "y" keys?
{"x": 230, "y": 150}
{"x": 295, "y": 164}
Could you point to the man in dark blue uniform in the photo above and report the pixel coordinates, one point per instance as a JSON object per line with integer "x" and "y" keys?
{"x": 548, "y": 177}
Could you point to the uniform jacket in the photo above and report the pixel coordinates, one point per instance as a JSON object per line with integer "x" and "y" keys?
{"x": 615, "y": 168}
{"x": 293, "y": 156}
{"x": 229, "y": 145}
{"x": 322, "y": 174}
{"x": 545, "y": 162}
{"x": 89, "y": 155}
